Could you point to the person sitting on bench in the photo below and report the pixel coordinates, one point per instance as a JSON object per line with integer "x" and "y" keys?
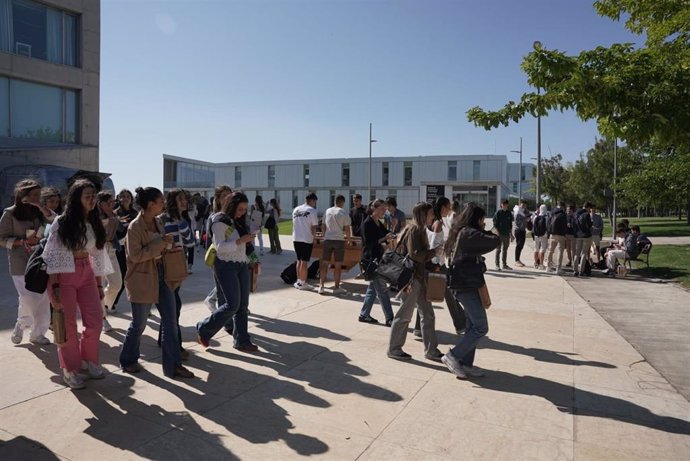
{"x": 628, "y": 250}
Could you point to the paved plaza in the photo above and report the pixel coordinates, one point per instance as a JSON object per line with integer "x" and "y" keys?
{"x": 568, "y": 377}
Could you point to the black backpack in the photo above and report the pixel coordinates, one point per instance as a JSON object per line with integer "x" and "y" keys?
{"x": 35, "y": 274}
{"x": 539, "y": 227}
{"x": 584, "y": 226}
{"x": 313, "y": 270}
{"x": 558, "y": 224}
{"x": 270, "y": 222}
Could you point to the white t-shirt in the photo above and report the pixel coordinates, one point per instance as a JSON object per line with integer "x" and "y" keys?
{"x": 303, "y": 218}
{"x": 335, "y": 220}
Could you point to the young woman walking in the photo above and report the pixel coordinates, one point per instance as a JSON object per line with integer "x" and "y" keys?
{"x": 126, "y": 213}
{"x": 145, "y": 244}
{"x": 374, "y": 237}
{"x": 257, "y": 213}
{"x": 415, "y": 239}
{"x": 221, "y": 196}
{"x": 21, "y": 228}
{"x": 232, "y": 240}
{"x": 112, "y": 224}
{"x": 466, "y": 243}
{"x": 77, "y": 261}
{"x": 273, "y": 237}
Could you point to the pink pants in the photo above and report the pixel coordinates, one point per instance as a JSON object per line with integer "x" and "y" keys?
{"x": 80, "y": 288}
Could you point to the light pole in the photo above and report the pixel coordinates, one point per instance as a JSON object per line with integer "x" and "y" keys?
{"x": 537, "y": 46}
{"x": 519, "y": 172}
{"x": 615, "y": 176}
{"x": 371, "y": 141}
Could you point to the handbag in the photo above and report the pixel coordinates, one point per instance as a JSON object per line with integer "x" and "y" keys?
{"x": 396, "y": 268}
{"x": 435, "y": 287}
{"x": 35, "y": 274}
{"x": 465, "y": 273}
{"x": 484, "y": 296}
{"x": 174, "y": 267}
{"x": 368, "y": 267}
{"x": 58, "y": 322}
{"x": 270, "y": 222}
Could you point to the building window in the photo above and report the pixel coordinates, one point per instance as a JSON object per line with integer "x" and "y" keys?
{"x": 515, "y": 188}
{"x": 453, "y": 170}
{"x": 331, "y": 197}
{"x": 193, "y": 176}
{"x": 306, "y": 176}
{"x": 408, "y": 174}
{"x": 523, "y": 172}
{"x": 238, "y": 176}
{"x": 346, "y": 174}
{"x": 37, "y": 31}
{"x": 40, "y": 112}
{"x": 169, "y": 173}
{"x": 271, "y": 176}
{"x": 384, "y": 178}
{"x": 294, "y": 199}
{"x": 476, "y": 170}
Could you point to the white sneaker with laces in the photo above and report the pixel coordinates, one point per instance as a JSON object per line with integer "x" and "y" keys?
{"x": 40, "y": 340}
{"x": 17, "y": 334}
{"x": 453, "y": 365}
{"x": 339, "y": 291}
{"x": 474, "y": 372}
{"x": 107, "y": 326}
{"x": 303, "y": 286}
{"x": 73, "y": 380}
{"x": 90, "y": 370}
{"x": 322, "y": 290}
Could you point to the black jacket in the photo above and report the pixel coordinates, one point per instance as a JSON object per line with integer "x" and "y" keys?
{"x": 373, "y": 233}
{"x": 467, "y": 272}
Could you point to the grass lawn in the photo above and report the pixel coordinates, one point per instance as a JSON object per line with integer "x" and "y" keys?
{"x": 285, "y": 227}
{"x": 655, "y": 227}
{"x": 667, "y": 262}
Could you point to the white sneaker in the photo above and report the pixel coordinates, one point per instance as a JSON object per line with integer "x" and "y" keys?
{"x": 17, "y": 333}
{"x": 322, "y": 290}
{"x": 452, "y": 364}
{"x": 90, "y": 370}
{"x": 107, "y": 326}
{"x": 303, "y": 286}
{"x": 73, "y": 380}
{"x": 40, "y": 340}
{"x": 339, "y": 291}
{"x": 189, "y": 269}
{"x": 474, "y": 372}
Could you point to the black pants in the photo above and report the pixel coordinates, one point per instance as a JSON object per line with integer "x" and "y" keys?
{"x": 122, "y": 262}
{"x": 519, "y": 242}
{"x": 457, "y": 314}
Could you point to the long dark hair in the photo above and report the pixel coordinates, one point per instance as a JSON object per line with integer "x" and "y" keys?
{"x": 439, "y": 204}
{"x": 22, "y": 211}
{"x": 231, "y": 208}
{"x": 274, "y": 203}
{"x": 102, "y": 197}
{"x": 171, "y": 204}
{"x": 131, "y": 198}
{"x": 259, "y": 203}
{"x": 470, "y": 217}
{"x": 72, "y": 231}
{"x": 216, "y": 196}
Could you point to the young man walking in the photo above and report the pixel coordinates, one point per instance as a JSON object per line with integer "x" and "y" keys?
{"x": 597, "y": 232}
{"x": 304, "y": 223}
{"x": 337, "y": 223}
{"x": 503, "y": 223}
{"x": 358, "y": 213}
{"x": 522, "y": 215}
{"x": 583, "y": 238}
{"x": 557, "y": 227}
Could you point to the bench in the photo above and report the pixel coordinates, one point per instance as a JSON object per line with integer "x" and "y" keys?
{"x": 644, "y": 252}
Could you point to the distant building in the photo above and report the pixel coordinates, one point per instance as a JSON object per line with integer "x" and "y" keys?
{"x": 485, "y": 179}
{"x": 49, "y": 85}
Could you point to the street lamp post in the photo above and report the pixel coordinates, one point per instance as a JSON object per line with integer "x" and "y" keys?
{"x": 519, "y": 172}
{"x": 371, "y": 141}
{"x": 615, "y": 177}
{"x": 537, "y": 46}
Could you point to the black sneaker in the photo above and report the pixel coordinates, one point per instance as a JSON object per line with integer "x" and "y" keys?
{"x": 399, "y": 355}
{"x": 389, "y": 322}
{"x": 576, "y": 274}
{"x": 368, "y": 319}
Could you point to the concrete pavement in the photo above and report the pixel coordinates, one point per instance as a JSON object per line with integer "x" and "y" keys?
{"x": 561, "y": 383}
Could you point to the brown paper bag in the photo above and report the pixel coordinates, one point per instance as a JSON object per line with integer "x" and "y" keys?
{"x": 436, "y": 287}
{"x": 484, "y": 296}
{"x": 59, "y": 332}
{"x": 174, "y": 268}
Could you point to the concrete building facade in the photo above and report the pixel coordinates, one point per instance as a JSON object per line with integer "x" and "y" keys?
{"x": 49, "y": 85}
{"x": 485, "y": 179}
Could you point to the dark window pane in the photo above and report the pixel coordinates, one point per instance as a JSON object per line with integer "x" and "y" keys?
{"x": 71, "y": 120}
{"x": 30, "y": 34}
{"x": 71, "y": 55}
{"x": 36, "y": 111}
{"x": 4, "y": 107}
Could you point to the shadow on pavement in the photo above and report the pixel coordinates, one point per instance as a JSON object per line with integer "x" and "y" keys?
{"x": 23, "y": 448}
{"x": 294, "y": 329}
{"x": 542, "y": 355}
{"x": 580, "y": 402}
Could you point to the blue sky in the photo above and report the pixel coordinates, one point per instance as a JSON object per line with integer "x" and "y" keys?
{"x": 259, "y": 80}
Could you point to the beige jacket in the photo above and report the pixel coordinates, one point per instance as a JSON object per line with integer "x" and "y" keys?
{"x": 12, "y": 229}
{"x": 142, "y": 248}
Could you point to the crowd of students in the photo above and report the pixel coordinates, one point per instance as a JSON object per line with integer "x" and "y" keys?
{"x": 100, "y": 244}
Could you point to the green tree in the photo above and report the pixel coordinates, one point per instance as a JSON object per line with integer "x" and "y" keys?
{"x": 638, "y": 94}
{"x": 554, "y": 178}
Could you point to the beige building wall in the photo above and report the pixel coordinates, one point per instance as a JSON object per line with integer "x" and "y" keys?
{"x": 85, "y": 79}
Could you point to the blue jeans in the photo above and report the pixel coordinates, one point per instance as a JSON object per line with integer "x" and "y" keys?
{"x": 233, "y": 279}
{"x": 477, "y": 326}
{"x": 377, "y": 288}
{"x": 170, "y": 342}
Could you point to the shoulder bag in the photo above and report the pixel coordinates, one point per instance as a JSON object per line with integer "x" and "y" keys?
{"x": 396, "y": 268}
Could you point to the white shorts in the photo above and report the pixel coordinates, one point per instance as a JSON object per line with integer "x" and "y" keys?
{"x": 541, "y": 243}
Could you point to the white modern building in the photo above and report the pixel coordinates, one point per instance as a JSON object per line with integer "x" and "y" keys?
{"x": 486, "y": 179}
